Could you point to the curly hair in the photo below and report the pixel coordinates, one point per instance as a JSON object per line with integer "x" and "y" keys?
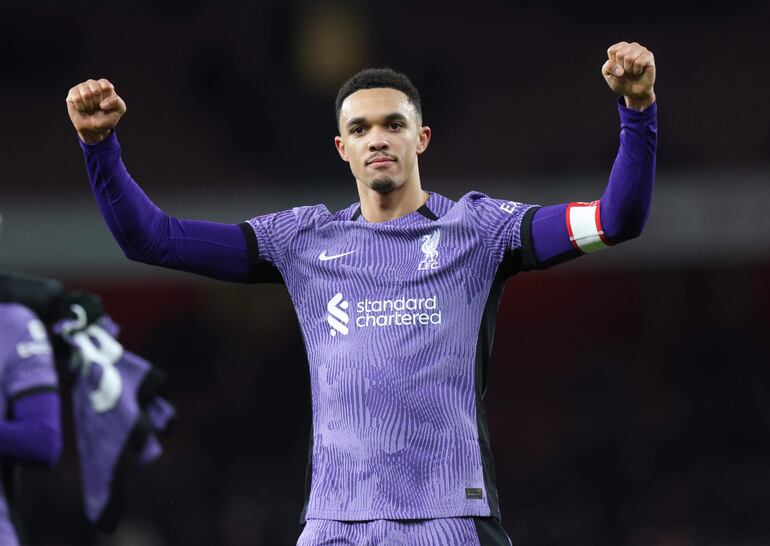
{"x": 372, "y": 78}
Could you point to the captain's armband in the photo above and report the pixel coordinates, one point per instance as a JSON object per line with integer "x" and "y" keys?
{"x": 584, "y": 225}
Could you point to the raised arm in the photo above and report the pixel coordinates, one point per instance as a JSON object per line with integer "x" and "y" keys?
{"x": 562, "y": 232}
{"x": 144, "y": 232}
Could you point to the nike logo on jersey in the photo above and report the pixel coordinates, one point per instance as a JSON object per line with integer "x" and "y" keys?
{"x": 324, "y": 258}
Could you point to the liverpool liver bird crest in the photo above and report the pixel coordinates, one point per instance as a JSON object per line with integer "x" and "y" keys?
{"x": 430, "y": 249}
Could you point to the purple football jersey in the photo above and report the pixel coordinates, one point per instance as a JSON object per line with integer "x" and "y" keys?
{"x": 398, "y": 320}
{"x": 26, "y": 365}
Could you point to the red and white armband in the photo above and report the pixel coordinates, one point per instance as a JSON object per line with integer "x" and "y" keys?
{"x": 584, "y": 225}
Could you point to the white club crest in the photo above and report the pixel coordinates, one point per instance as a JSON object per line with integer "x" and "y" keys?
{"x": 430, "y": 249}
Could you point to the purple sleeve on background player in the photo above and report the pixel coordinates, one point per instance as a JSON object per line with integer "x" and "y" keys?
{"x": 147, "y": 234}
{"x": 28, "y": 382}
{"x": 34, "y": 434}
{"x": 624, "y": 207}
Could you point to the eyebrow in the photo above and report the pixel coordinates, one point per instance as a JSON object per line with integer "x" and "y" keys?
{"x": 395, "y": 116}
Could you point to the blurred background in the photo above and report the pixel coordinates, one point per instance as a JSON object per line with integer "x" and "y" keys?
{"x": 643, "y": 422}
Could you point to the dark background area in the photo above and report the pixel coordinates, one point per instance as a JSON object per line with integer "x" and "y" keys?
{"x": 244, "y": 90}
{"x": 628, "y": 400}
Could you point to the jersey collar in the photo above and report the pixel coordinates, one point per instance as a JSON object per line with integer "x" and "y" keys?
{"x": 424, "y": 210}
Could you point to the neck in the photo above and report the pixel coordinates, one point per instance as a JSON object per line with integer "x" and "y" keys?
{"x": 381, "y": 207}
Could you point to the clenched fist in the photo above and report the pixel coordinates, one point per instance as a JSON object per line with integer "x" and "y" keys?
{"x": 630, "y": 71}
{"x": 95, "y": 109}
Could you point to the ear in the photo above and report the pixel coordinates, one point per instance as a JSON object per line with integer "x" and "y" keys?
{"x": 424, "y": 137}
{"x": 341, "y": 148}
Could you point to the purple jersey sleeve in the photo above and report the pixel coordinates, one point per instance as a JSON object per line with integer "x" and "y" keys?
{"x": 147, "y": 234}
{"x": 274, "y": 233}
{"x": 34, "y": 433}
{"x": 27, "y": 383}
{"x": 562, "y": 232}
{"x": 502, "y": 225}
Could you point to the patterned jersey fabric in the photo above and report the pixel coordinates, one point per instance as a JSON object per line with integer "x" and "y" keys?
{"x": 398, "y": 320}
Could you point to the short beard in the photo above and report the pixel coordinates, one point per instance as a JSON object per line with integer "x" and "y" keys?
{"x": 383, "y": 185}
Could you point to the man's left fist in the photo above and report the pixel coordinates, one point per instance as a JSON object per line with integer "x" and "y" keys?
{"x": 630, "y": 71}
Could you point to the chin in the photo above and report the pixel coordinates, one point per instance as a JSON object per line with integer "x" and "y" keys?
{"x": 383, "y": 185}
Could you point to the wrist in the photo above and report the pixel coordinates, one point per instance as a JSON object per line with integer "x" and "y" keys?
{"x": 640, "y": 103}
{"x": 94, "y": 137}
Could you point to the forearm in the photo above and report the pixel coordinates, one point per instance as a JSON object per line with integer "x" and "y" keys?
{"x": 147, "y": 234}
{"x": 624, "y": 207}
{"x": 34, "y": 435}
{"x": 134, "y": 220}
{"x": 626, "y": 202}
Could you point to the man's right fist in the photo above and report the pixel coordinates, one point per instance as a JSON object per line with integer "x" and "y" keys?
{"x": 95, "y": 109}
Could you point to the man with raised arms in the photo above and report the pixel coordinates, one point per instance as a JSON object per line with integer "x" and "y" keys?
{"x": 400, "y": 451}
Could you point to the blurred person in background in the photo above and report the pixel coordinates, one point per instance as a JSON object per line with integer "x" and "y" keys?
{"x": 116, "y": 409}
{"x": 30, "y": 422}
{"x": 396, "y": 297}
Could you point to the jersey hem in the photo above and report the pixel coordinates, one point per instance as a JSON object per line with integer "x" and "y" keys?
{"x": 367, "y": 515}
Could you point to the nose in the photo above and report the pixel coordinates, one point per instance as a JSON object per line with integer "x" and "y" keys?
{"x": 378, "y": 140}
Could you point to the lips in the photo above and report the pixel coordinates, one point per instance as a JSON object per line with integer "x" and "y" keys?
{"x": 381, "y": 159}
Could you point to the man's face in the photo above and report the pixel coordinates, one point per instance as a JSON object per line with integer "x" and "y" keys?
{"x": 381, "y": 136}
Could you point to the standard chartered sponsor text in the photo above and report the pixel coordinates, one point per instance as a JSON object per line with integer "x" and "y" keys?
{"x": 398, "y": 312}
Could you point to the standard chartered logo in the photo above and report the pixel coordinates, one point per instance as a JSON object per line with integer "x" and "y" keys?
{"x": 337, "y": 318}
{"x": 374, "y": 313}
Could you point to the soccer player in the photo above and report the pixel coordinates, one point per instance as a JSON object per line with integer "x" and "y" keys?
{"x": 30, "y": 424}
{"x": 396, "y": 297}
